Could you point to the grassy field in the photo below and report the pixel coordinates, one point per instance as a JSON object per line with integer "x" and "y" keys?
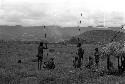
{"x": 27, "y": 73}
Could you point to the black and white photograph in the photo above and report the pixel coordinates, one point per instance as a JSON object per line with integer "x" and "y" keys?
{"x": 62, "y": 42}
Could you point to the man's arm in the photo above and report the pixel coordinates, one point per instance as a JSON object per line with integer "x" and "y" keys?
{"x": 45, "y": 46}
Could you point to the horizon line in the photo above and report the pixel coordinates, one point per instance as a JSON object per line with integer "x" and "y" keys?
{"x": 99, "y": 26}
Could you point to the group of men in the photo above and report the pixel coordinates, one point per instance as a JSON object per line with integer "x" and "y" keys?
{"x": 77, "y": 62}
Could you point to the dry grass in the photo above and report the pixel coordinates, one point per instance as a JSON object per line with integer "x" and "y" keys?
{"x": 26, "y": 73}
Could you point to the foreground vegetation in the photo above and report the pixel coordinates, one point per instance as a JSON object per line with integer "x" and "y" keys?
{"x": 27, "y": 73}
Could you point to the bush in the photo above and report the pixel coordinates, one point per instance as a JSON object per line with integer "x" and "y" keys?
{"x": 111, "y": 49}
{"x": 121, "y": 52}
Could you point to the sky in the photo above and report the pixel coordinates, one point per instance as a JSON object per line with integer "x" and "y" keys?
{"x": 62, "y": 12}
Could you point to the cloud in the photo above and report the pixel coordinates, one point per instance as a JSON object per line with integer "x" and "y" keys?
{"x": 115, "y": 19}
{"x": 17, "y": 13}
{"x": 108, "y": 18}
{"x": 60, "y": 12}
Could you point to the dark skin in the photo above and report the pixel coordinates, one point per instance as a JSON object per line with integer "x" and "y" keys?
{"x": 40, "y": 54}
{"x": 80, "y": 51}
{"x": 96, "y": 54}
{"x": 89, "y": 65}
{"x": 77, "y": 62}
{"x": 74, "y": 62}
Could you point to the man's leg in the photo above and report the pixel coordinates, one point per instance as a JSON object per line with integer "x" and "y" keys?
{"x": 41, "y": 62}
{"x": 82, "y": 57}
{"x": 97, "y": 64}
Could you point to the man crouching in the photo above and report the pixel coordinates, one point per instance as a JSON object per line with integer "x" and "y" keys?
{"x": 49, "y": 64}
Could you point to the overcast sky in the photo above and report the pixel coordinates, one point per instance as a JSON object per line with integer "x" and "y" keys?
{"x": 62, "y": 12}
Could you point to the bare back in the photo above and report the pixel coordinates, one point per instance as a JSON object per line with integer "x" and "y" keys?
{"x": 40, "y": 50}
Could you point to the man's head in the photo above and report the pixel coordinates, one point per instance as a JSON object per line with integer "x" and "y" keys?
{"x": 79, "y": 45}
{"x": 19, "y": 61}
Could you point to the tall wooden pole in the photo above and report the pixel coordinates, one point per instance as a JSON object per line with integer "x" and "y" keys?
{"x": 45, "y": 38}
{"x": 80, "y": 22}
{"x": 123, "y": 30}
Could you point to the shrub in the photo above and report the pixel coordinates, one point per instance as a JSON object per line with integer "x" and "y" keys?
{"x": 111, "y": 49}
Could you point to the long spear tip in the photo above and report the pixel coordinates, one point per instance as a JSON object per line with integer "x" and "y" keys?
{"x": 81, "y": 14}
{"x": 44, "y": 26}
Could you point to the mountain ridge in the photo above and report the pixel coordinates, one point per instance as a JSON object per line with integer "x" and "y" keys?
{"x": 98, "y": 36}
{"x": 36, "y": 33}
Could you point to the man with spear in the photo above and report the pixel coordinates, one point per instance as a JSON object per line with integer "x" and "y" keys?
{"x": 40, "y": 53}
{"x": 78, "y": 60}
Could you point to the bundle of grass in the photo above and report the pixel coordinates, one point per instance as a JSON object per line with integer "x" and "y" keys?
{"x": 49, "y": 64}
{"x": 121, "y": 59}
{"x": 109, "y": 50}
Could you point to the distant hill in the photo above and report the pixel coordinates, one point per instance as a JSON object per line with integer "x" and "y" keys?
{"x": 31, "y": 33}
{"x": 98, "y": 36}
{"x": 36, "y": 33}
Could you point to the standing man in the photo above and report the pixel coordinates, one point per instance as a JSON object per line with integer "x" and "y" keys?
{"x": 80, "y": 51}
{"x": 90, "y": 63}
{"x": 40, "y": 54}
{"x": 96, "y": 54}
{"x": 78, "y": 60}
{"x": 77, "y": 63}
